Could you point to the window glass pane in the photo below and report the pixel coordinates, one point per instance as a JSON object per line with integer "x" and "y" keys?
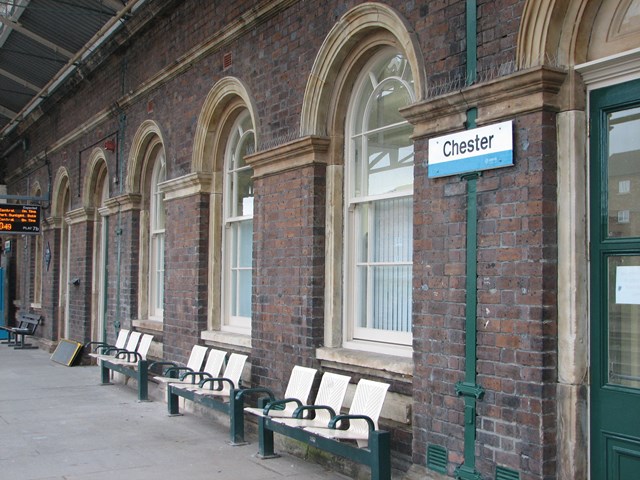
{"x": 158, "y": 197}
{"x": 244, "y": 141}
{"x": 159, "y": 273}
{"x": 245, "y": 243}
{"x": 383, "y": 270}
{"x": 389, "y": 98}
{"x": 390, "y": 161}
{"x": 384, "y": 89}
{"x": 623, "y": 169}
{"x": 244, "y": 290}
{"x": 391, "y": 302}
{"x": 244, "y": 193}
{"x": 392, "y": 231}
{"x": 624, "y": 321}
{"x": 240, "y": 176}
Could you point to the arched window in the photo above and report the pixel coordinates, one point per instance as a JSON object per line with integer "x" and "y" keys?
{"x": 156, "y": 239}
{"x": 238, "y": 227}
{"x": 379, "y": 205}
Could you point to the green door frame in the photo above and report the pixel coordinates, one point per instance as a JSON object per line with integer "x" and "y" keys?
{"x": 615, "y": 445}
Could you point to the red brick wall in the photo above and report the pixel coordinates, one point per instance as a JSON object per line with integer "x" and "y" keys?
{"x": 186, "y": 278}
{"x": 287, "y": 322}
{"x": 516, "y": 308}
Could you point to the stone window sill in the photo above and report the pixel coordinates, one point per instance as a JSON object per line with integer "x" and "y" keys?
{"x": 386, "y": 366}
{"x": 221, "y": 338}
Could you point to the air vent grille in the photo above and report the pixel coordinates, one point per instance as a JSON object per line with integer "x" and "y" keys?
{"x": 227, "y": 60}
{"x": 503, "y": 473}
{"x": 437, "y": 458}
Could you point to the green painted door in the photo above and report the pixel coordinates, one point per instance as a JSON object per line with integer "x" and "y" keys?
{"x": 615, "y": 282}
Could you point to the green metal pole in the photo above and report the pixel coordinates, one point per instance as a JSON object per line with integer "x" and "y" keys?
{"x": 468, "y": 389}
{"x": 472, "y": 43}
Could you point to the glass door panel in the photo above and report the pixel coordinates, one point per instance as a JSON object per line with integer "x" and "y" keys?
{"x": 623, "y": 343}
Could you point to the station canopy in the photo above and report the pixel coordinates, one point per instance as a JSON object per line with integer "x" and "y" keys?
{"x": 42, "y": 42}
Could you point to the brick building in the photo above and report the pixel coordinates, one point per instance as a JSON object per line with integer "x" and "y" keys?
{"x": 206, "y": 181}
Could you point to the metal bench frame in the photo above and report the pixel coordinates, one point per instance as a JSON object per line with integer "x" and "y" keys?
{"x": 136, "y": 366}
{"x": 27, "y": 325}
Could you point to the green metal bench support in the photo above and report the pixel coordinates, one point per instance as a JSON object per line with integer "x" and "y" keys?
{"x": 234, "y": 408}
{"x": 377, "y": 455}
{"x": 141, "y": 374}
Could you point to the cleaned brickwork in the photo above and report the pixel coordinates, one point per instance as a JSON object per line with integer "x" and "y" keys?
{"x": 516, "y": 423}
{"x": 516, "y": 313}
{"x": 185, "y": 313}
{"x": 287, "y": 321}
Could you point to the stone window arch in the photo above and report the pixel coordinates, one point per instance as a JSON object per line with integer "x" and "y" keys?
{"x": 342, "y": 66}
{"x": 225, "y": 134}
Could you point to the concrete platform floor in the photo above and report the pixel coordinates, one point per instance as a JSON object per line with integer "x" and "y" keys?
{"x": 58, "y": 422}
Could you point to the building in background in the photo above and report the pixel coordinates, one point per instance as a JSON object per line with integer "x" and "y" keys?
{"x": 321, "y": 183}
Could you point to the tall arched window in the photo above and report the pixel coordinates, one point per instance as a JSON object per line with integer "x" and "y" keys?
{"x": 379, "y": 205}
{"x": 238, "y": 227}
{"x": 156, "y": 239}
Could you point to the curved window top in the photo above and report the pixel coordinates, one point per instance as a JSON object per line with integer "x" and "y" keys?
{"x": 388, "y": 88}
{"x": 382, "y": 149}
{"x": 158, "y": 176}
{"x": 239, "y": 174}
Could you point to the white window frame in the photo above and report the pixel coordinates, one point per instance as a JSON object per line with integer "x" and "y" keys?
{"x": 235, "y": 220}
{"x": 156, "y": 241}
{"x": 354, "y": 336}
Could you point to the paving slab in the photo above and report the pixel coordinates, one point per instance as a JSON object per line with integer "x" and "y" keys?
{"x": 58, "y": 422}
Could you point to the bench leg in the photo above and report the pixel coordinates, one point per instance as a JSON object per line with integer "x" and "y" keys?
{"x": 379, "y": 445}
{"x": 24, "y": 346}
{"x": 105, "y": 377}
{"x": 265, "y": 440}
{"x": 236, "y": 419}
{"x": 173, "y": 400}
{"x": 143, "y": 381}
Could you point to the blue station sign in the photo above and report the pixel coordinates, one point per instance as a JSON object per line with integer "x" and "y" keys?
{"x": 472, "y": 150}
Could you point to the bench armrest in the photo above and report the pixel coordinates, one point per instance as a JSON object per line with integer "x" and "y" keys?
{"x": 280, "y": 404}
{"x": 246, "y": 391}
{"x": 163, "y": 364}
{"x": 109, "y": 349}
{"x": 297, "y": 413}
{"x": 127, "y": 354}
{"x": 338, "y": 418}
{"x": 219, "y": 380}
{"x": 194, "y": 375}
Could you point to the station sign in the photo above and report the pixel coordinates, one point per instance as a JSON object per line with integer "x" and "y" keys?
{"x": 20, "y": 219}
{"x": 472, "y": 150}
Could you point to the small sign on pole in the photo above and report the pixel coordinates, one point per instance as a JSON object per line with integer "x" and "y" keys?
{"x": 472, "y": 150}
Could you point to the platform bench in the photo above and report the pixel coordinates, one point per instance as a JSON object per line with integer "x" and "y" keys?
{"x": 27, "y": 325}
{"x": 377, "y": 455}
{"x": 215, "y": 393}
{"x": 373, "y": 445}
{"x": 132, "y": 364}
{"x": 139, "y": 372}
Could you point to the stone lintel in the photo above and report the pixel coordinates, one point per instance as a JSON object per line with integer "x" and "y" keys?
{"x": 520, "y": 93}
{"x": 187, "y": 185}
{"x": 297, "y": 154}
